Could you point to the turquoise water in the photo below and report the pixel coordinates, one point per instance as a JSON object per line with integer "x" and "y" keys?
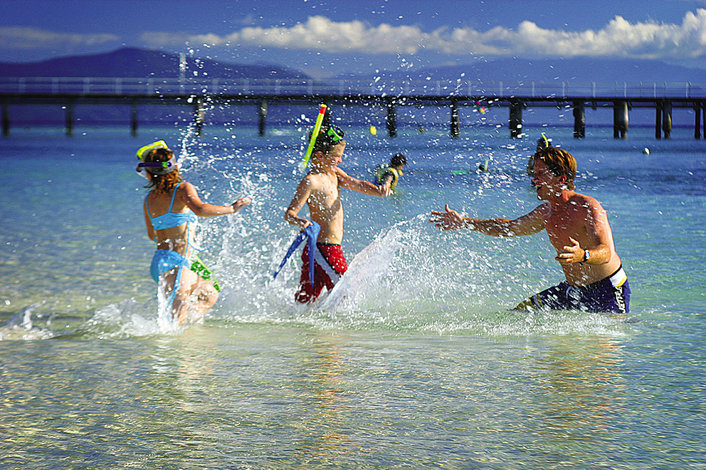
{"x": 415, "y": 361}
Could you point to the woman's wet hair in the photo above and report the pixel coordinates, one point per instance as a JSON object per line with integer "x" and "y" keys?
{"x": 162, "y": 183}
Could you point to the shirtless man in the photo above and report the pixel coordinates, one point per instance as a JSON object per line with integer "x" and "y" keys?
{"x": 320, "y": 189}
{"x": 578, "y": 229}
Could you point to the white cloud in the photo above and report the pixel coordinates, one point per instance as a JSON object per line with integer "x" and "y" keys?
{"x": 18, "y": 37}
{"x": 618, "y": 38}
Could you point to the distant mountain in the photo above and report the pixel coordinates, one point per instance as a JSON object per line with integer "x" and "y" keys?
{"x": 548, "y": 70}
{"x": 140, "y": 63}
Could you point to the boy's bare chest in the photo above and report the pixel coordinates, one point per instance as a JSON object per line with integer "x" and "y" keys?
{"x": 325, "y": 190}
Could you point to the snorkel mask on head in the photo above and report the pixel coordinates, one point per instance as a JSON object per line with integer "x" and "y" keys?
{"x": 334, "y": 135}
{"x": 155, "y": 168}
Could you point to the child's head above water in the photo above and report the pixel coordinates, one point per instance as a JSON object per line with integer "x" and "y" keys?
{"x": 329, "y": 136}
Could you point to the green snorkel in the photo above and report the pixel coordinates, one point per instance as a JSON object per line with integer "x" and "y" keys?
{"x": 314, "y": 135}
{"x": 546, "y": 141}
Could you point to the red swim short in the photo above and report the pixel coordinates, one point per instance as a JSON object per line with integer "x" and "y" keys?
{"x": 330, "y": 264}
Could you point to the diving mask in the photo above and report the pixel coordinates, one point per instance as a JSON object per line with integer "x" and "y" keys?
{"x": 335, "y": 135}
{"x": 158, "y": 168}
{"x": 143, "y": 151}
{"x": 155, "y": 168}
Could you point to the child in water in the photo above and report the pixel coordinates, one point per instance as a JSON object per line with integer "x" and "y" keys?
{"x": 389, "y": 175}
{"x": 171, "y": 208}
{"x": 320, "y": 189}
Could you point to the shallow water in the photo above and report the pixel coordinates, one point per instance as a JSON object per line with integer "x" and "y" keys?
{"x": 416, "y": 359}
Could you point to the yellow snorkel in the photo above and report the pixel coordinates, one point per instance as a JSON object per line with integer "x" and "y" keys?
{"x": 143, "y": 151}
{"x": 314, "y": 135}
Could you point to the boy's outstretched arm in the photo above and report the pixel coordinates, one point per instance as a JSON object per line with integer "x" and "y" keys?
{"x": 364, "y": 187}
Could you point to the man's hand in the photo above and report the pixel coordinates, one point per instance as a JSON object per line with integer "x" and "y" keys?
{"x": 448, "y": 220}
{"x": 571, "y": 254}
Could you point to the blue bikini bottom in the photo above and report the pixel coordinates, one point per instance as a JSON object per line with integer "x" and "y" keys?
{"x": 165, "y": 260}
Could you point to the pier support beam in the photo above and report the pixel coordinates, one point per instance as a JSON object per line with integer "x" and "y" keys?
{"x": 620, "y": 119}
{"x": 455, "y": 121}
{"x": 658, "y": 120}
{"x": 262, "y": 114}
{"x": 199, "y": 114}
{"x": 667, "y": 119}
{"x": 5, "y": 119}
{"x": 391, "y": 118}
{"x": 515, "y": 119}
{"x": 133, "y": 119}
{"x": 579, "y": 120}
{"x": 697, "y": 120}
{"x": 703, "y": 121}
{"x": 69, "y": 119}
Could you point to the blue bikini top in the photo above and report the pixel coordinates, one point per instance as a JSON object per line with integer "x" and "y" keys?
{"x": 170, "y": 219}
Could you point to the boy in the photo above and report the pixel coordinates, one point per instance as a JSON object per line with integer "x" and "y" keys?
{"x": 320, "y": 189}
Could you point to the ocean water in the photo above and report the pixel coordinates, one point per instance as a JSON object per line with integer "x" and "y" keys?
{"x": 415, "y": 360}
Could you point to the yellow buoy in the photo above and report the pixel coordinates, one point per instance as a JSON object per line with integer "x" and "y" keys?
{"x": 373, "y": 130}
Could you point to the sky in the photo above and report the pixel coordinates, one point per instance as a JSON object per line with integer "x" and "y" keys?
{"x": 329, "y": 37}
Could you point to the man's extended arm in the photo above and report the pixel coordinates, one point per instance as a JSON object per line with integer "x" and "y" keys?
{"x": 528, "y": 224}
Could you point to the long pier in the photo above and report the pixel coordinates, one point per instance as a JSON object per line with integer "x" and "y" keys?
{"x": 202, "y": 93}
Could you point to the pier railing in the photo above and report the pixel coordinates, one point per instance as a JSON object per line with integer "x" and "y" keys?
{"x": 118, "y": 86}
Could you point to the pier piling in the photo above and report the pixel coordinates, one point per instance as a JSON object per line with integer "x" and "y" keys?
{"x": 515, "y": 118}
{"x": 199, "y": 115}
{"x": 391, "y": 118}
{"x": 262, "y": 114}
{"x": 620, "y": 119}
{"x": 579, "y": 119}
{"x": 667, "y": 119}
{"x": 69, "y": 118}
{"x": 133, "y": 119}
{"x": 455, "y": 121}
{"x": 697, "y": 120}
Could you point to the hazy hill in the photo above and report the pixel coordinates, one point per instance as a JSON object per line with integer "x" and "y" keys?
{"x": 550, "y": 70}
{"x": 139, "y": 63}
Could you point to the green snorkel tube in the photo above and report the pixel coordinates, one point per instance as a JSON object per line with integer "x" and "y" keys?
{"x": 314, "y": 135}
{"x": 546, "y": 141}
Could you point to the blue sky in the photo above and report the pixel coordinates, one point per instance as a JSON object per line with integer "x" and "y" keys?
{"x": 325, "y": 38}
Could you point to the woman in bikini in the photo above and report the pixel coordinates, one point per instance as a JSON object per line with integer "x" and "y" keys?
{"x": 171, "y": 208}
